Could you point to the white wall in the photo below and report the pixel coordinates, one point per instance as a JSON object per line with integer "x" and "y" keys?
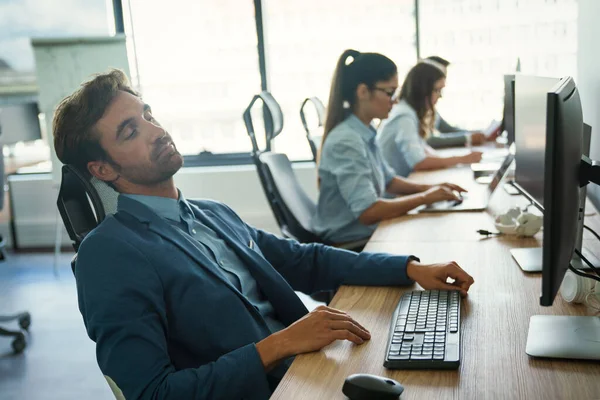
{"x": 34, "y": 198}
{"x": 588, "y": 73}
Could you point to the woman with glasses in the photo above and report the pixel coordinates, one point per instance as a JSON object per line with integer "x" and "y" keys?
{"x": 358, "y": 189}
{"x": 402, "y": 137}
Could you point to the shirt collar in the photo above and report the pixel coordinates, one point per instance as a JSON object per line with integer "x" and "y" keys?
{"x": 164, "y": 207}
{"x": 367, "y": 133}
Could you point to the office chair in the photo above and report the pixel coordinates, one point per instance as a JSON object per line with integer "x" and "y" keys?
{"x": 83, "y": 202}
{"x": 24, "y": 318}
{"x": 291, "y": 206}
{"x": 320, "y": 109}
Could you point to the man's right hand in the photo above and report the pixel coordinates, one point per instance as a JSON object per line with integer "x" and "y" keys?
{"x": 312, "y": 332}
{"x": 472, "y": 157}
{"x": 439, "y": 193}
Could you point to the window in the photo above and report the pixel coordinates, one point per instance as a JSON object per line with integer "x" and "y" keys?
{"x": 198, "y": 69}
{"x": 19, "y": 22}
{"x": 304, "y": 40}
{"x": 484, "y": 39}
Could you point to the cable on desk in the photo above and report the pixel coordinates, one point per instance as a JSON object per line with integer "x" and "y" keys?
{"x": 488, "y": 233}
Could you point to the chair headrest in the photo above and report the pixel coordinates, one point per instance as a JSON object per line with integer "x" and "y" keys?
{"x": 319, "y": 108}
{"x": 108, "y": 196}
{"x": 83, "y": 202}
{"x": 273, "y": 119}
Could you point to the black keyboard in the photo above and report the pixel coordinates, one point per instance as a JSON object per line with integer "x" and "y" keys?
{"x": 425, "y": 331}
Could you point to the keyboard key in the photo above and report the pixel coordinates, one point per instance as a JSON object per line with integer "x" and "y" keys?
{"x": 420, "y": 357}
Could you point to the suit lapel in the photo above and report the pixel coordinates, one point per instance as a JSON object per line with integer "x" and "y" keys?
{"x": 286, "y": 302}
{"x": 173, "y": 235}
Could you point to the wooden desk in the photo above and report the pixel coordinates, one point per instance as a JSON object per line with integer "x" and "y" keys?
{"x": 495, "y": 316}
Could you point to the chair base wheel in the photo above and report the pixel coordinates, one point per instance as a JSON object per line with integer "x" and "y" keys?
{"x": 19, "y": 343}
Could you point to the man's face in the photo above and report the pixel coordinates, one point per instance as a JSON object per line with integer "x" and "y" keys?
{"x": 142, "y": 152}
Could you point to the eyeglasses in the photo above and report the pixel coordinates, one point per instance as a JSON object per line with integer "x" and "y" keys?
{"x": 391, "y": 93}
{"x": 438, "y": 91}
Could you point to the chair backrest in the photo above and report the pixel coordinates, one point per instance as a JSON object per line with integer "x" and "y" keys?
{"x": 83, "y": 202}
{"x": 273, "y": 119}
{"x": 287, "y": 198}
{"x": 320, "y": 109}
{"x": 291, "y": 206}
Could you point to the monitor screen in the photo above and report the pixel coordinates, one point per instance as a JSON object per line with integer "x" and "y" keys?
{"x": 508, "y": 117}
{"x": 19, "y": 123}
{"x": 530, "y": 134}
{"x": 564, "y": 148}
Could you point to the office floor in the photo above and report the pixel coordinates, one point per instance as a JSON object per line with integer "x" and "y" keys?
{"x": 60, "y": 361}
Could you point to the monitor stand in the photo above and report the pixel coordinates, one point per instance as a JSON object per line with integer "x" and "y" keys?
{"x": 530, "y": 259}
{"x": 557, "y": 336}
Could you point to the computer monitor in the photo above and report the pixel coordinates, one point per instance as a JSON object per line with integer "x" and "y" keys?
{"x": 19, "y": 123}
{"x": 530, "y": 135}
{"x": 508, "y": 116}
{"x": 550, "y": 335}
{"x": 564, "y": 148}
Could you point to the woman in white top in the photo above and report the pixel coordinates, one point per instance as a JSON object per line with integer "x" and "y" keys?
{"x": 402, "y": 137}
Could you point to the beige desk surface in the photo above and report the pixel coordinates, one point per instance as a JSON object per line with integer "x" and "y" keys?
{"x": 495, "y": 316}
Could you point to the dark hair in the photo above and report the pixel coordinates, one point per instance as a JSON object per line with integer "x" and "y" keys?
{"x": 76, "y": 141}
{"x": 439, "y": 60}
{"x": 417, "y": 89}
{"x": 367, "y": 68}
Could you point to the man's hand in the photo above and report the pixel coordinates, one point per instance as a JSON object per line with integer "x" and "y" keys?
{"x": 435, "y": 276}
{"x": 312, "y": 332}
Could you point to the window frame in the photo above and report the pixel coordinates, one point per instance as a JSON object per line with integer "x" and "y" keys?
{"x": 205, "y": 159}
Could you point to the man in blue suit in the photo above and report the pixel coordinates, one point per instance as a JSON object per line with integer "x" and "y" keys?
{"x": 183, "y": 299}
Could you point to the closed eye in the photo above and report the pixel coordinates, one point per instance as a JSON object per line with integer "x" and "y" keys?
{"x": 132, "y": 134}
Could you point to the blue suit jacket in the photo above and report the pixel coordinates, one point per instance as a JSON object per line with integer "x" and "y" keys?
{"x": 168, "y": 324}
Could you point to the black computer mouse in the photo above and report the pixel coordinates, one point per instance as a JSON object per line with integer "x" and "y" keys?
{"x": 371, "y": 387}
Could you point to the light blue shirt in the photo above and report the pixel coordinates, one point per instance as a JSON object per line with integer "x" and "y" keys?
{"x": 179, "y": 214}
{"x": 353, "y": 176}
{"x": 401, "y": 145}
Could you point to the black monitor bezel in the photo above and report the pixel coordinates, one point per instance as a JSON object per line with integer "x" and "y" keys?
{"x": 556, "y": 162}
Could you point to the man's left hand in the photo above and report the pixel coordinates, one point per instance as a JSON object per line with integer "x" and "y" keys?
{"x": 435, "y": 276}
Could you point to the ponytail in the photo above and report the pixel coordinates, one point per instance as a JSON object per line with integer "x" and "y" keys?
{"x": 335, "y": 107}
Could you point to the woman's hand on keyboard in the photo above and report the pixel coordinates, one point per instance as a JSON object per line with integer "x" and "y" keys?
{"x": 439, "y": 193}
{"x": 442, "y": 276}
{"x": 453, "y": 187}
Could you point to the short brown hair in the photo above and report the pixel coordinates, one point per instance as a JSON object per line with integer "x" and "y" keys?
{"x": 75, "y": 140}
